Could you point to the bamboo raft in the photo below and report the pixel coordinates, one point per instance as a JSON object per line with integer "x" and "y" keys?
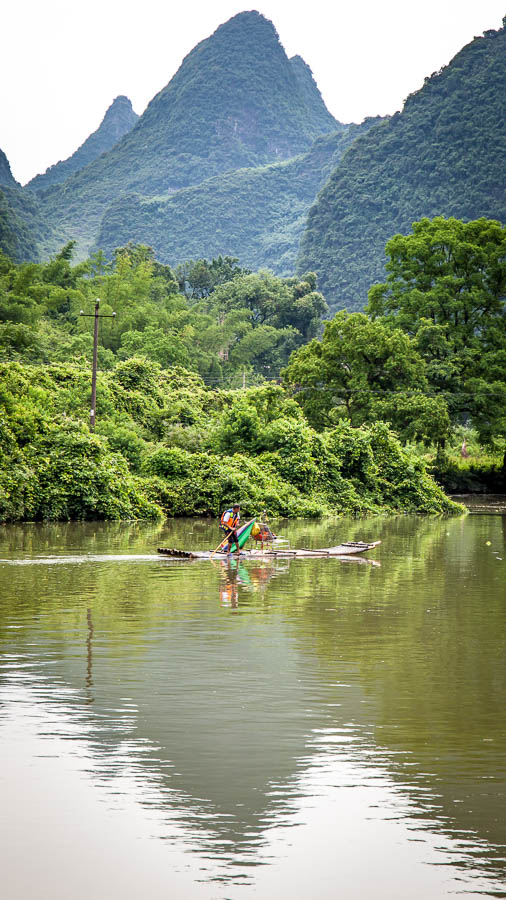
{"x": 350, "y": 548}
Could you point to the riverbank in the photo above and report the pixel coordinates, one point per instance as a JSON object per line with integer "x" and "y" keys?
{"x": 483, "y": 504}
{"x": 167, "y": 446}
{"x": 480, "y": 474}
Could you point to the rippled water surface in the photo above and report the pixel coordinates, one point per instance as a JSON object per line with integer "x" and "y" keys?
{"x": 293, "y": 729}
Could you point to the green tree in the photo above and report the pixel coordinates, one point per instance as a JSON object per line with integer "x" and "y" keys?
{"x": 362, "y": 371}
{"x": 279, "y": 302}
{"x": 445, "y": 288}
{"x": 449, "y": 273}
{"x": 199, "y": 278}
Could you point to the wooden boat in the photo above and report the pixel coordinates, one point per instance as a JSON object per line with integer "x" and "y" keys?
{"x": 349, "y": 548}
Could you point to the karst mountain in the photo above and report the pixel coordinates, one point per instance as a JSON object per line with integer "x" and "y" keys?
{"x": 119, "y": 119}
{"x": 238, "y": 155}
{"x": 236, "y": 101}
{"x": 444, "y": 154}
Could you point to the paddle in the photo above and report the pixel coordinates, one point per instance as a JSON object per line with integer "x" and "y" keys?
{"x": 225, "y": 539}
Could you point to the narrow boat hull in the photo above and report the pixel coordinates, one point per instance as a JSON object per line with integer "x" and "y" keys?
{"x": 351, "y": 548}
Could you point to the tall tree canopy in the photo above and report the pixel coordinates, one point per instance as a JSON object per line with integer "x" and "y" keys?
{"x": 362, "y": 371}
{"x": 446, "y": 288}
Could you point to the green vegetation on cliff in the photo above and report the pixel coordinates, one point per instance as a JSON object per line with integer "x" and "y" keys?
{"x": 24, "y": 231}
{"x": 255, "y": 214}
{"x": 236, "y": 101}
{"x": 17, "y": 239}
{"x": 25, "y": 234}
{"x": 6, "y": 176}
{"x": 119, "y": 119}
{"x": 442, "y": 155}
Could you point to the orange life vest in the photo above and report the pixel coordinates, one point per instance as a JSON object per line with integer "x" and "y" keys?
{"x": 232, "y": 522}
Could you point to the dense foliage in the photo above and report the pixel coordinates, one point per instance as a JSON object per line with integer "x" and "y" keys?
{"x": 212, "y": 317}
{"x": 257, "y": 214}
{"x": 236, "y": 101}
{"x": 166, "y": 445}
{"x": 362, "y": 371}
{"x": 24, "y": 230}
{"x": 442, "y": 155}
{"x": 445, "y": 288}
{"x": 431, "y": 353}
{"x": 119, "y": 119}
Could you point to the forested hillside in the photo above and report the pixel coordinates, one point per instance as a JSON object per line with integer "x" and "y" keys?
{"x": 236, "y": 101}
{"x": 165, "y": 443}
{"x": 255, "y": 214}
{"x": 214, "y": 318}
{"x": 24, "y": 230}
{"x": 6, "y": 177}
{"x": 17, "y": 234}
{"x": 316, "y": 111}
{"x": 442, "y": 155}
{"x": 119, "y": 119}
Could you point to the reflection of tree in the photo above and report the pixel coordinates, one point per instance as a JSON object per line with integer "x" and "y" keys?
{"x": 431, "y": 659}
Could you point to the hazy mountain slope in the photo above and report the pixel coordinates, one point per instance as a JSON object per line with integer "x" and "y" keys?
{"x": 6, "y": 176}
{"x": 443, "y": 155}
{"x": 25, "y": 234}
{"x": 16, "y": 238}
{"x": 24, "y": 231}
{"x": 235, "y": 101}
{"x": 318, "y": 114}
{"x": 119, "y": 119}
{"x": 255, "y": 214}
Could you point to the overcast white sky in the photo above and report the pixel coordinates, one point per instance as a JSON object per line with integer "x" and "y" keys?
{"x": 62, "y": 63}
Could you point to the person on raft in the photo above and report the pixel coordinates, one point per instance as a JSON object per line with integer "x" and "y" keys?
{"x": 229, "y": 522}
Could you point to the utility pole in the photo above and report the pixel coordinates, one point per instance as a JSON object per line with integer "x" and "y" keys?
{"x": 96, "y": 316}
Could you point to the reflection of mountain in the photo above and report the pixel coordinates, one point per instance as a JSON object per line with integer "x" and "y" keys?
{"x": 214, "y": 718}
{"x": 218, "y": 710}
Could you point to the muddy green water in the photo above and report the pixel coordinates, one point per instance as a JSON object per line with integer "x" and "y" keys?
{"x": 298, "y": 729}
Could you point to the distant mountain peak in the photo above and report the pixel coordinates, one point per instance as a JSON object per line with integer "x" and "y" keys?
{"x": 6, "y": 176}
{"x": 297, "y": 60}
{"x": 236, "y": 101}
{"x": 246, "y": 18}
{"x": 119, "y": 106}
{"x": 321, "y": 119}
{"x": 119, "y": 119}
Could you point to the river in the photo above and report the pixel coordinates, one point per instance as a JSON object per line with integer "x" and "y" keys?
{"x": 292, "y": 729}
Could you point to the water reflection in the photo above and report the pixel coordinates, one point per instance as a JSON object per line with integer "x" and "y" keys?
{"x": 237, "y": 577}
{"x": 89, "y": 649}
{"x": 275, "y": 721}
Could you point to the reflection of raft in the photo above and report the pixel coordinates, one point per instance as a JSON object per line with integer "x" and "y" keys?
{"x": 350, "y": 548}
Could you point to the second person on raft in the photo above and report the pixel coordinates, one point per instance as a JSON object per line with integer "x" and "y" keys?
{"x": 229, "y": 522}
